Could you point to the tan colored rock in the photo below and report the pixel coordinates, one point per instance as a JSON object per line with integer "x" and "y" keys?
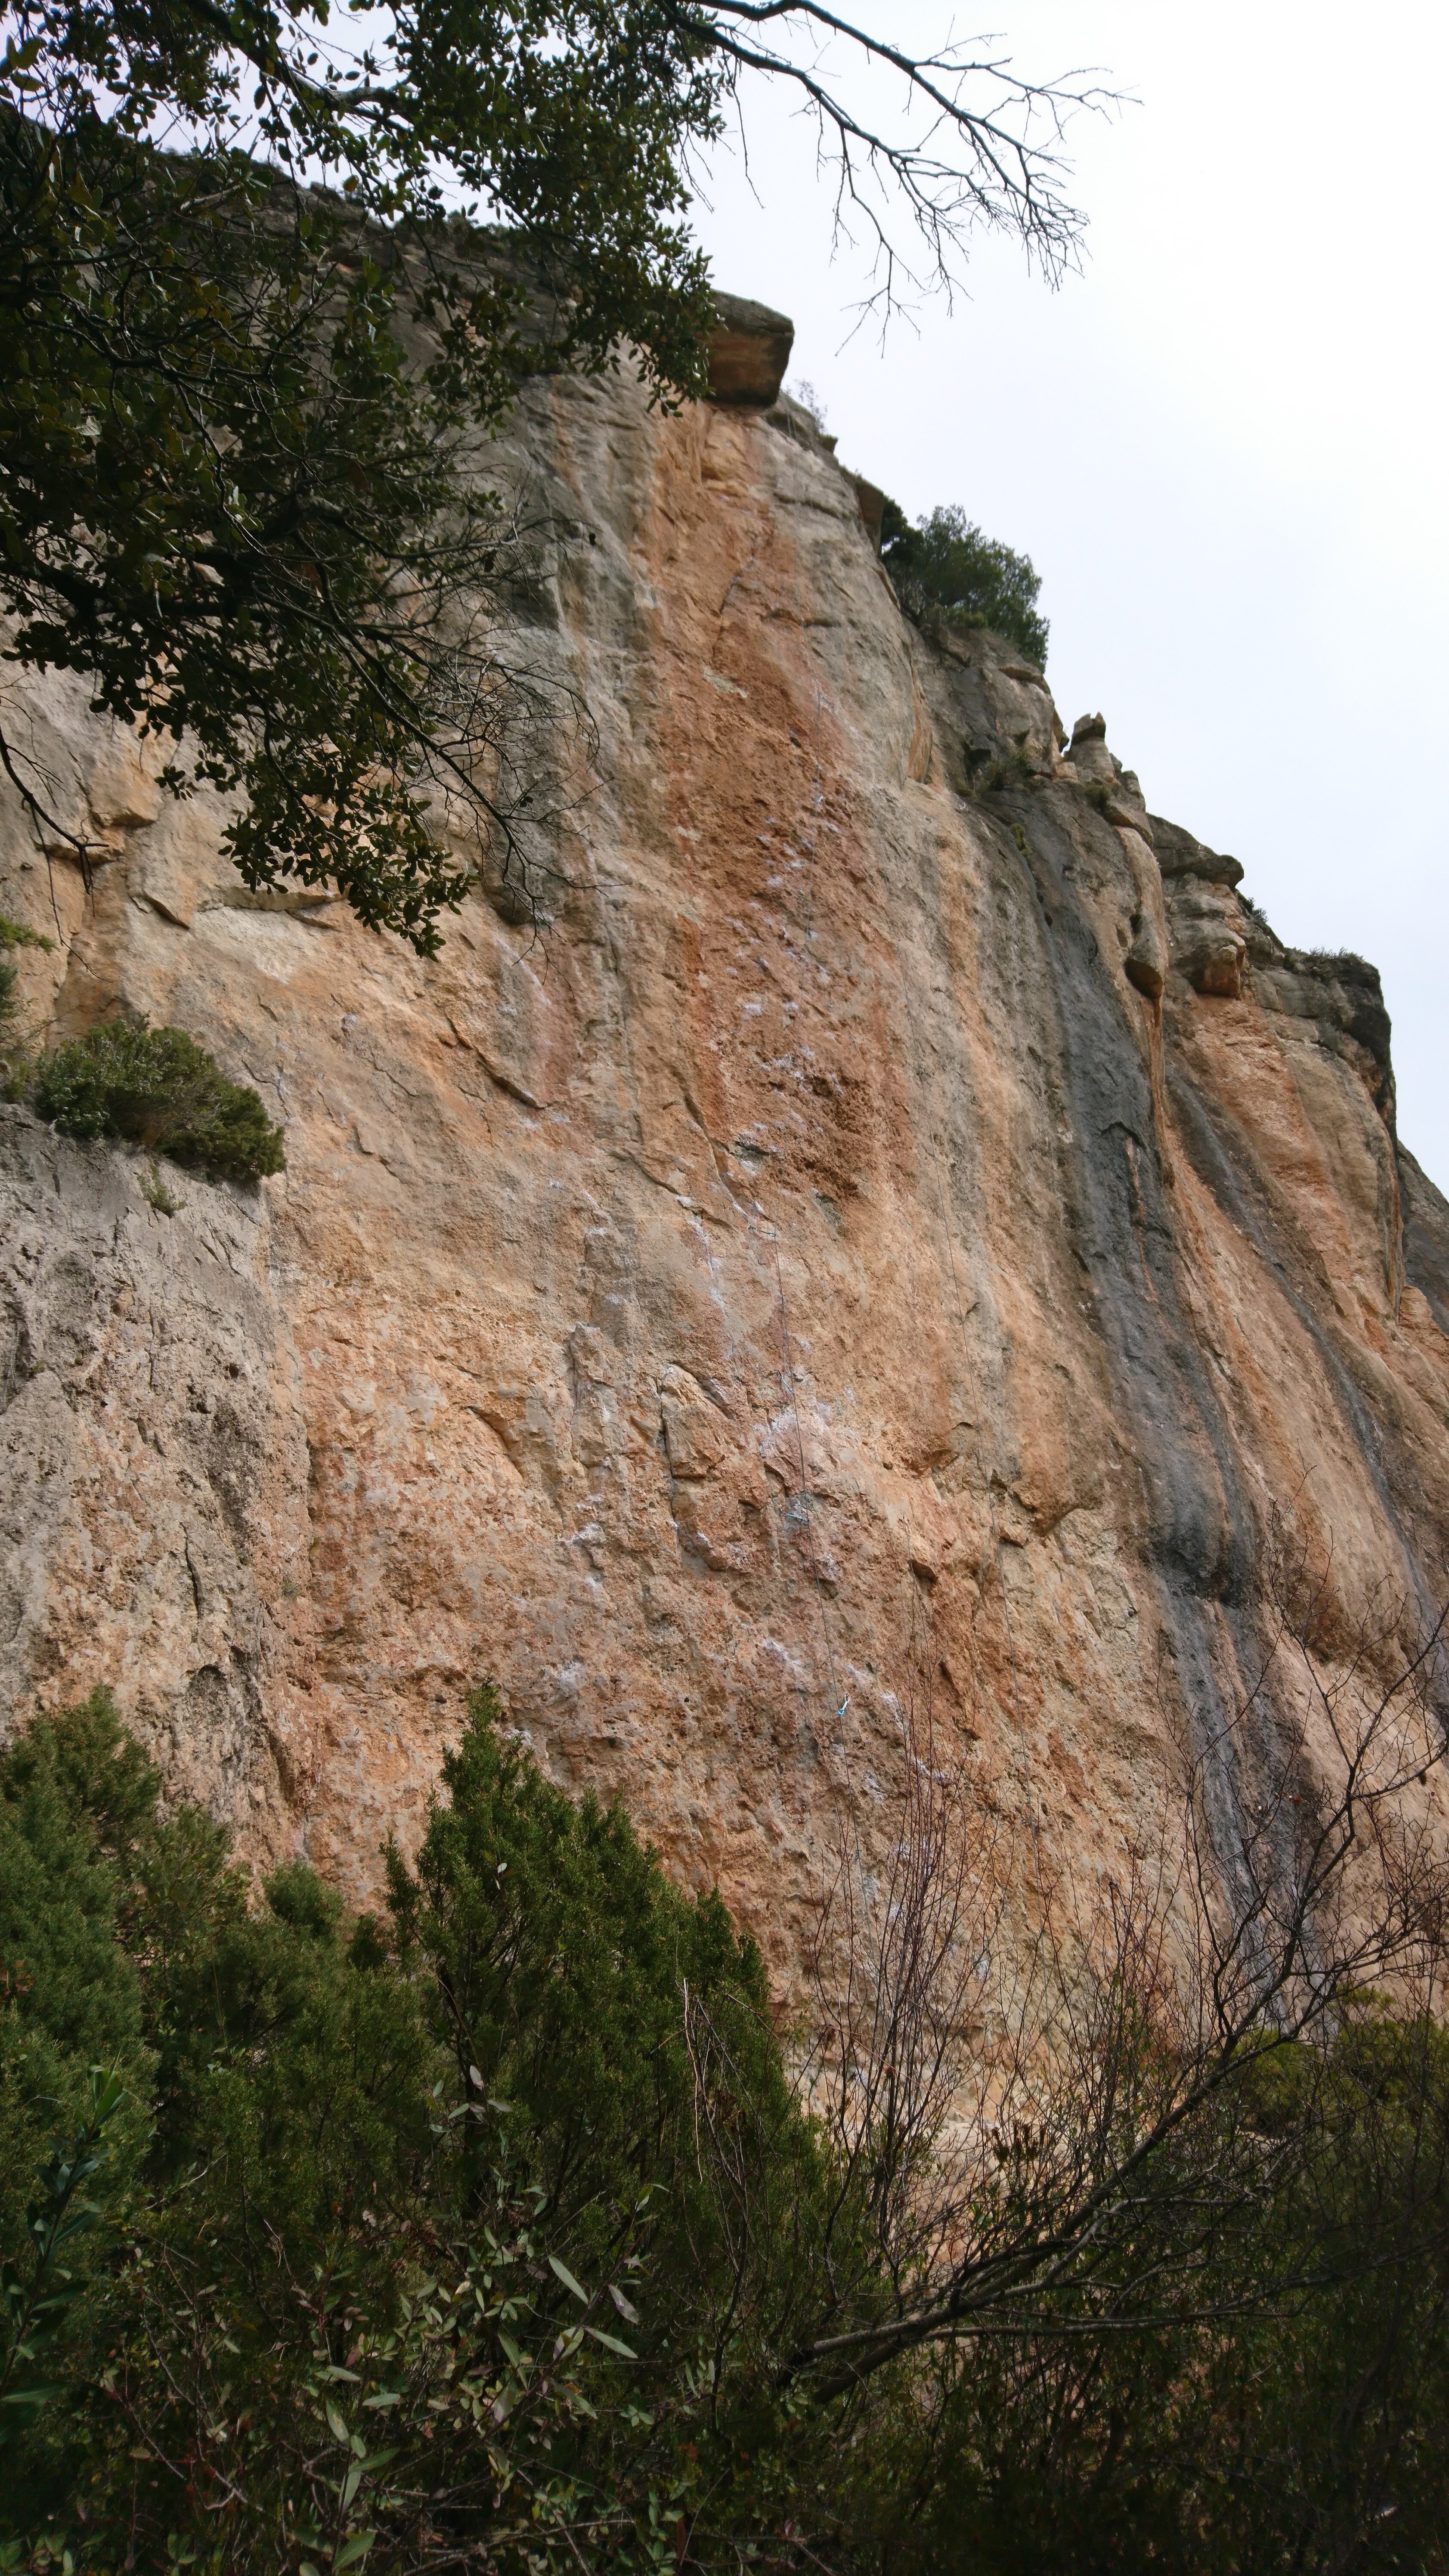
{"x": 801, "y": 1280}
{"x": 748, "y": 352}
{"x": 1089, "y": 754}
{"x": 1209, "y": 944}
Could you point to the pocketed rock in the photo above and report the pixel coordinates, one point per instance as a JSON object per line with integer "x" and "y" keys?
{"x": 848, "y": 1246}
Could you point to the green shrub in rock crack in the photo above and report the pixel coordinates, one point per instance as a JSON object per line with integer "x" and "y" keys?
{"x": 158, "y": 1088}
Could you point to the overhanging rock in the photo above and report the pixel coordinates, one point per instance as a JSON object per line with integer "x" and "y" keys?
{"x": 749, "y": 352}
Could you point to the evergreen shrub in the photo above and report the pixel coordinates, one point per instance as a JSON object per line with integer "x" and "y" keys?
{"x": 944, "y": 564}
{"x": 486, "y": 2234}
{"x": 159, "y": 1089}
{"x": 453, "y": 2238}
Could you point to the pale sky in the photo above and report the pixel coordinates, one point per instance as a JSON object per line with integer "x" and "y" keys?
{"x": 1223, "y": 446}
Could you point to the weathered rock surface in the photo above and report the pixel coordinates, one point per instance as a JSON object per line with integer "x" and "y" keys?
{"x": 153, "y": 1456}
{"x": 898, "y": 1233}
{"x": 749, "y": 352}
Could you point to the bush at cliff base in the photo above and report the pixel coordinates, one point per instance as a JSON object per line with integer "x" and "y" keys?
{"x": 477, "y": 2235}
{"x": 389, "y": 2240}
{"x": 157, "y": 1088}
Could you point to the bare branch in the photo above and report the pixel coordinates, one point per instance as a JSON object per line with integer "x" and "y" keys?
{"x": 1055, "y": 2134}
{"x": 985, "y": 149}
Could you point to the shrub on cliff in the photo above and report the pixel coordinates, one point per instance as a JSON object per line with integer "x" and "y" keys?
{"x": 944, "y": 564}
{"x": 157, "y": 1088}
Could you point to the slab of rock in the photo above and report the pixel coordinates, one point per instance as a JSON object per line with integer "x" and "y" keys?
{"x": 152, "y": 1459}
{"x": 749, "y": 352}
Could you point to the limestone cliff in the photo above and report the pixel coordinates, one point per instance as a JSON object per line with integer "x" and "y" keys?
{"x": 899, "y": 1229}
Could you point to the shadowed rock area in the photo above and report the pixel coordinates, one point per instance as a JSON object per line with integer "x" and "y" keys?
{"x": 878, "y": 1224}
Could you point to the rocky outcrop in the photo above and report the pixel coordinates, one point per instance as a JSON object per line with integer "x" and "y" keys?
{"x": 749, "y": 352}
{"x": 879, "y": 1223}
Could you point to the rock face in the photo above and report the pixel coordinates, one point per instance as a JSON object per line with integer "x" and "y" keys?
{"x": 886, "y": 1228}
{"x": 153, "y": 1489}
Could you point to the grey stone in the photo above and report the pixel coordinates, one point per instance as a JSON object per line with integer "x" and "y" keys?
{"x": 1179, "y": 855}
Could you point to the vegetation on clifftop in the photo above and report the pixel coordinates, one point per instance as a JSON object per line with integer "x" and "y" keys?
{"x": 944, "y": 565}
{"x": 501, "y": 2230}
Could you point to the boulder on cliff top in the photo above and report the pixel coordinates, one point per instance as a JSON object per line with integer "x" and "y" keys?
{"x": 749, "y": 351}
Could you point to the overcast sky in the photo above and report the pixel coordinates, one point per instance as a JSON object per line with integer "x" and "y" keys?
{"x": 1223, "y": 446}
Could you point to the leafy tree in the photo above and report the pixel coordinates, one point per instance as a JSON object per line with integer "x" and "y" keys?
{"x": 70, "y": 1991}
{"x": 945, "y": 564}
{"x": 244, "y": 420}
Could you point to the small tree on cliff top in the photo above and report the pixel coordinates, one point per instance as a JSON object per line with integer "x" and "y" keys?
{"x": 232, "y": 492}
{"x": 946, "y": 564}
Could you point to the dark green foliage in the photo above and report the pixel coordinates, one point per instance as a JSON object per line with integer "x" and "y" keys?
{"x": 159, "y": 1089}
{"x": 45, "y": 2289}
{"x": 342, "y": 2273}
{"x": 244, "y": 422}
{"x": 70, "y": 1990}
{"x": 483, "y": 2233}
{"x": 232, "y": 492}
{"x": 78, "y": 1835}
{"x": 945, "y": 565}
{"x": 271, "y": 2079}
{"x": 561, "y": 1953}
